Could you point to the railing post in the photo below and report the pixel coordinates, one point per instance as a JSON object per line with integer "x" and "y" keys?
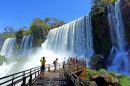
{"x": 86, "y": 83}
{"x": 35, "y": 73}
{"x": 63, "y": 64}
{"x": 59, "y": 65}
{"x": 38, "y": 71}
{"x": 77, "y": 80}
{"x": 30, "y": 80}
{"x": 48, "y": 67}
{"x": 24, "y": 80}
{"x": 13, "y": 81}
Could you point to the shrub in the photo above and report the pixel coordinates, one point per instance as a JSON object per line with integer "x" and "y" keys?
{"x": 96, "y": 62}
{"x": 90, "y": 73}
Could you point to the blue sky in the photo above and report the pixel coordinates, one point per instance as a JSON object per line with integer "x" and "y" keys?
{"x": 19, "y": 13}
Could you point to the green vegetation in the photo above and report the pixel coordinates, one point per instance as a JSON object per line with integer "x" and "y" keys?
{"x": 124, "y": 80}
{"x": 101, "y": 37}
{"x": 39, "y": 28}
{"x": 2, "y": 59}
{"x": 101, "y": 77}
{"x": 96, "y": 62}
{"x": 8, "y": 32}
{"x": 53, "y": 22}
{"x": 109, "y": 77}
{"x": 99, "y": 6}
{"x": 90, "y": 73}
{"x": 103, "y": 2}
{"x": 19, "y": 35}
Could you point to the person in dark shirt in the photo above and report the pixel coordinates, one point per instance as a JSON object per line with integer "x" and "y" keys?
{"x": 55, "y": 64}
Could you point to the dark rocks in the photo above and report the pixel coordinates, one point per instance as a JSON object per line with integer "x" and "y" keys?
{"x": 125, "y": 7}
{"x": 101, "y": 36}
{"x": 103, "y": 78}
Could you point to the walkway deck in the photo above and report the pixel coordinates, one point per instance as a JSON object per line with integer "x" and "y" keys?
{"x": 33, "y": 77}
{"x": 51, "y": 79}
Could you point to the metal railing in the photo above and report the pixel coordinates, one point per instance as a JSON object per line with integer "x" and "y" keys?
{"x": 25, "y": 78}
{"x": 21, "y": 78}
{"x": 75, "y": 80}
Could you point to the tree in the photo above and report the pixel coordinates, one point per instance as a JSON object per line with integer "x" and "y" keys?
{"x": 19, "y": 35}
{"x": 38, "y": 29}
{"x": 9, "y": 32}
{"x": 53, "y": 22}
{"x": 102, "y": 3}
{"x": 96, "y": 62}
{"x": 99, "y": 6}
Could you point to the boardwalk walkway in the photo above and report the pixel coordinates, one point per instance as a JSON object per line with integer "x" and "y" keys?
{"x": 32, "y": 77}
{"x": 51, "y": 79}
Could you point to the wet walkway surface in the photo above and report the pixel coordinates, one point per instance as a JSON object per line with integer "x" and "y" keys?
{"x": 51, "y": 79}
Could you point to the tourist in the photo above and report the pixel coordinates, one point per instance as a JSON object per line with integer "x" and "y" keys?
{"x": 55, "y": 64}
{"x": 73, "y": 61}
{"x": 43, "y": 61}
{"x": 63, "y": 64}
{"x": 77, "y": 62}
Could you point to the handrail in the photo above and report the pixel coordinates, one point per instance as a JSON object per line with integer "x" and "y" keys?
{"x": 18, "y": 73}
{"x": 25, "y": 77}
{"x": 20, "y": 76}
{"x": 74, "y": 78}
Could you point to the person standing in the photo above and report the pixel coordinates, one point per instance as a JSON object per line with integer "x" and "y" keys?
{"x": 43, "y": 61}
{"x": 55, "y": 64}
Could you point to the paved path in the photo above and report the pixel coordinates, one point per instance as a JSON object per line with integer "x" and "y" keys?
{"x": 51, "y": 79}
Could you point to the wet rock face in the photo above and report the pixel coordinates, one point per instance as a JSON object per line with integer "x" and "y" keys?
{"x": 125, "y": 7}
{"x": 101, "y": 36}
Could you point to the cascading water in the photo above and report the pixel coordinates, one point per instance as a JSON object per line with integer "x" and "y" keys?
{"x": 8, "y": 50}
{"x": 26, "y": 45}
{"x": 8, "y": 47}
{"x": 120, "y": 62}
{"x": 4, "y": 47}
{"x": 74, "y": 38}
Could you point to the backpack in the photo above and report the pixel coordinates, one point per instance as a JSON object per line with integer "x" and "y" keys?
{"x": 54, "y": 62}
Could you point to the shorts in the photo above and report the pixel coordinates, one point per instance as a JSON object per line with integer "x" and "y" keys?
{"x": 43, "y": 68}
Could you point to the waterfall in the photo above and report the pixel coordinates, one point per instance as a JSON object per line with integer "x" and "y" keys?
{"x": 120, "y": 62}
{"x": 4, "y": 47}
{"x": 26, "y": 45}
{"x": 8, "y": 47}
{"x": 74, "y": 38}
